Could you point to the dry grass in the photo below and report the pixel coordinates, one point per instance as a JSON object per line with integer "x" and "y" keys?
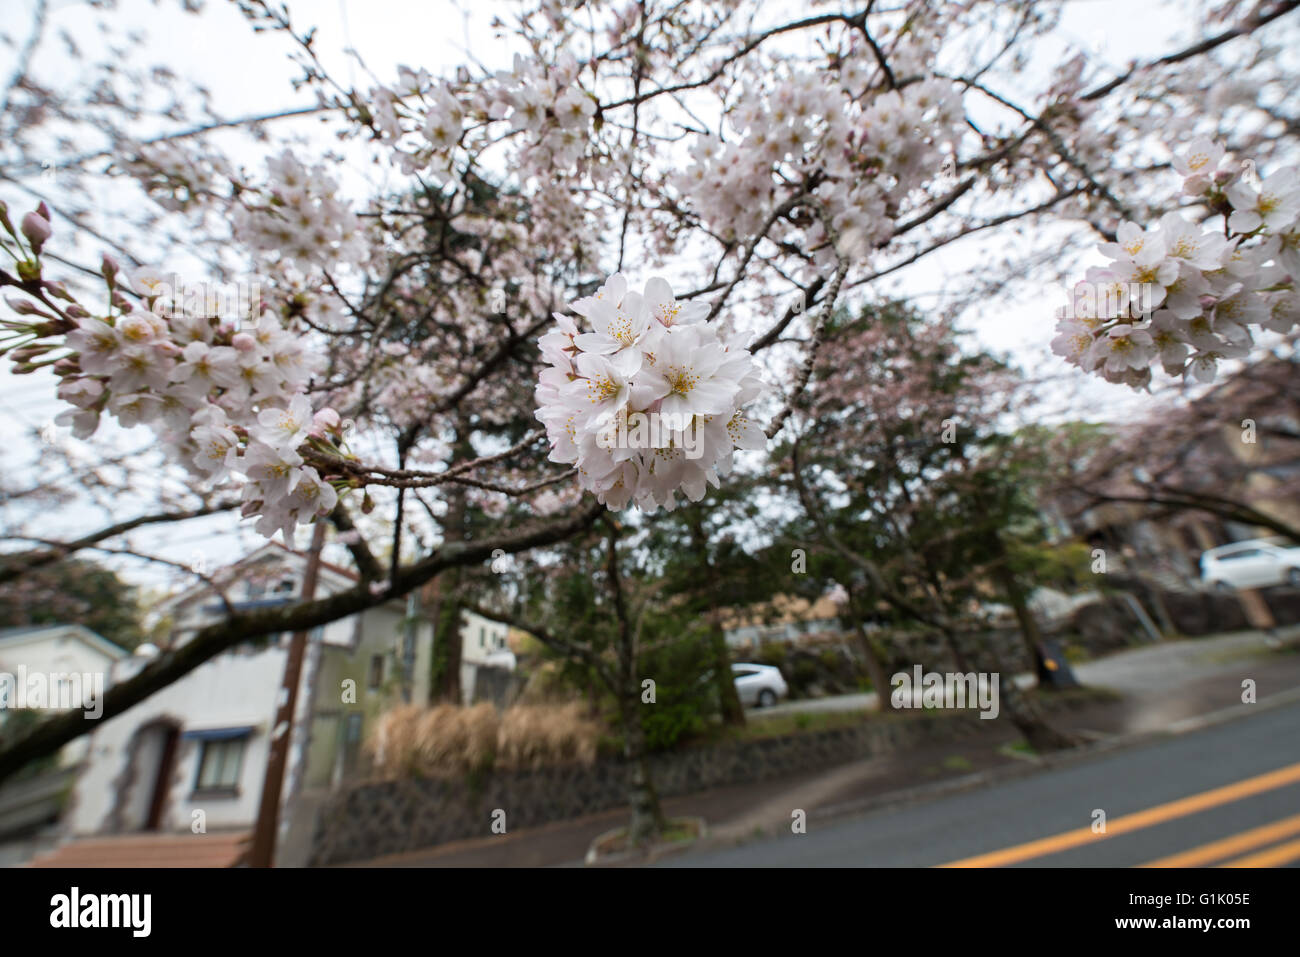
{"x": 450, "y": 740}
{"x": 531, "y": 736}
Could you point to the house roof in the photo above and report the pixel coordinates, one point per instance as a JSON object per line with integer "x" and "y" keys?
{"x": 231, "y": 572}
{"x": 13, "y": 637}
{"x": 781, "y": 610}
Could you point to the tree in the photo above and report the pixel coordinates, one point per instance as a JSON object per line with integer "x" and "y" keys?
{"x": 78, "y": 592}
{"x": 386, "y": 353}
{"x": 904, "y": 478}
{"x": 605, "y": 625}
{"x": 1229, "y": 453}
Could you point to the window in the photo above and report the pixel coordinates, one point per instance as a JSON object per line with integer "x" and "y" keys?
{"x": 481, "y": 636}
{"x": 352, "y": 729}
{"x": 219, "y": 764}
{"x": 376, "y": 671}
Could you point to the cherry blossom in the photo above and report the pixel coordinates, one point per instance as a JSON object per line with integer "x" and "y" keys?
{"x": 651, "y": 360}
{"x": 1204, "y": 289}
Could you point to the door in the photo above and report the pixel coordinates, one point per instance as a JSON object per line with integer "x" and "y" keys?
{"x": 163, "y": 778}
{"x": 142, "y": 802}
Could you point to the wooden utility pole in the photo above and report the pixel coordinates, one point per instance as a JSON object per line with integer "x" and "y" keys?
{"x": 262, "y": 853}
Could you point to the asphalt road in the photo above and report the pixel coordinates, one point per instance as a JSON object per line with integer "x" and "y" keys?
{"x": 1225, "y": 793}
{"x": 1146, "y": 668}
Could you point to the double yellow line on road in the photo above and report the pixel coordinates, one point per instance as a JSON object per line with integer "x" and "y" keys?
{"x": 1173, "y": 810}
{"x": 1239, "y": 844}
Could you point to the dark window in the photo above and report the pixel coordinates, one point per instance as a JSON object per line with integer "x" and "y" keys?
{"x": 376, "y": 671}
{"x": 1245, "y": 553}
{"x": 219, "y": 765}
{"x": 352, "y": 731}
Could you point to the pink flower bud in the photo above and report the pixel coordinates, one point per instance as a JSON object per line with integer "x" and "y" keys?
{"x": 243, "y": 342}
{"x": 109, "y": 267}
{"x": 23, "y": 307}
{"x": 77, "y": 311}
{"x": 1206, "y": 301}
{"x": 44, "y": 212}
{"x": 27, "y": 353}
{"x": 37, "y": 229}
{"x": 58, "y": 290}
{"x": 1222, "y": 176}
{"x": 167, "y": 348}
{"x": 326, "y": 420}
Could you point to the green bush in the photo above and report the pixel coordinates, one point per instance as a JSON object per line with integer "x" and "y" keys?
{"x": 668, "y": 724}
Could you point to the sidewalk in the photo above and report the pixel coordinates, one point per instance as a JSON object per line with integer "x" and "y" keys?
{"x": 1157, "y": 686}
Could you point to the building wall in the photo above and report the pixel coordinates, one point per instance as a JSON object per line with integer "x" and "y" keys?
{"x": 481, "y": 638}
{"x": 381, "y": 638}
{"x": 228, "y": 691}
{"x": 59, "y": 652}
{"x": 337, "y": 701}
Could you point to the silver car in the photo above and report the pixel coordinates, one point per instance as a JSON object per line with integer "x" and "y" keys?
{"x": 759, "y": 685}
{"x": 1258, "y": 563}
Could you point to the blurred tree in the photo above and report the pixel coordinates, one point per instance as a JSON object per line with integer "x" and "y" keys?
{"x": 904, "y": 477}
{"x": 621, "y": 640}
{"x": 74, "y": 591}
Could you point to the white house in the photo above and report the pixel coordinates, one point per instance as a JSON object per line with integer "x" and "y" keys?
{"x": 196, "y": 751}
{"x": 55, "y": 667}
{"x": 483, "y": 645}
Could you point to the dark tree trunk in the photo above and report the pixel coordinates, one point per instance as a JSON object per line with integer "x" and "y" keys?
{"x": 733, "y": 713}
{"x": 1022, "y": 711}
{"x": 444, "y": 684}
{"x": 876, "y": 668}
{"x": 1015, "y": 595}
{"x": 647, "y": 820}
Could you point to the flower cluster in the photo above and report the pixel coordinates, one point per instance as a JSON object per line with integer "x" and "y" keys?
{"x": 222, "y": 397}
{"x": 649, "y": 401}
{"x": 864, "y": 154}
{"x": 301, "y": 218}
{"x": 1185, "y": 294}
{"x": 545, "y": 102}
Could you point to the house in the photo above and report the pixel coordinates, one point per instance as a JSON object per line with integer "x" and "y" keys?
{"x": 786, "y": 618}
{"x": 195, "y": 753}
{"x": 485, "y": 653}
{"x": 55, "y": 667}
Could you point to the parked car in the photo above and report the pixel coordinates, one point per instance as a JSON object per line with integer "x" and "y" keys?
{"x": 1257, "y": 563}
{"x": 760, "y": 685}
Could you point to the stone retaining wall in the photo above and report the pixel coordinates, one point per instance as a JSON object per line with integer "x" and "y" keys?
{"x": 388, "y": 817}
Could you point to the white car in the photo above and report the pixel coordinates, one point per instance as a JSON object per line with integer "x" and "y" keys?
{"x": 1258, "y": 563}
{"x": 759, "y": 685}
